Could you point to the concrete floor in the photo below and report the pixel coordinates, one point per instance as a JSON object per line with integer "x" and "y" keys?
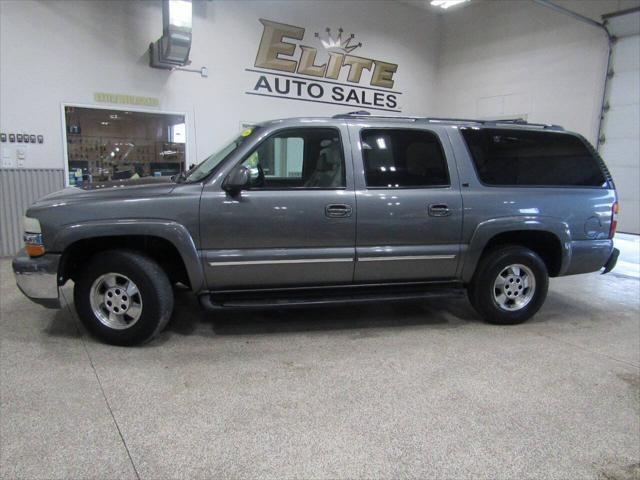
{"x": 416, "y": 390}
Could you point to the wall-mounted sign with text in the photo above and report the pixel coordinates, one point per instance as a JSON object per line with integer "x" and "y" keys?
{"x": 126, "y": 99}
{"x": 293, "y": 71}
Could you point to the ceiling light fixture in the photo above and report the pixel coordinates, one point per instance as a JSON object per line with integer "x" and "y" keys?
{"x": 444, "y": 4}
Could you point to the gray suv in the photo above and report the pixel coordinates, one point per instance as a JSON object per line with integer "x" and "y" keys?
{"x": 315, "y": 211}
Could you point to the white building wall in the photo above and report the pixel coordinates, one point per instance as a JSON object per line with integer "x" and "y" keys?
{"x": 516, "y": 58}
{"x": 62, "y": 51}
{"x": 488, "y": 59}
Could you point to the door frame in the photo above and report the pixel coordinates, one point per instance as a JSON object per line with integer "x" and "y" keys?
{"x": 287, "y": 259}
{"x": 398, "y": 255}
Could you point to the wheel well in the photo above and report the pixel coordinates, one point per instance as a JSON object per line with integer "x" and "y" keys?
{"x": 545, "y": 244}
{"x": 157, "y": 248}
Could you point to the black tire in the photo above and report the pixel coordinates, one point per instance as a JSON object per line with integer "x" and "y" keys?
{"x": 481, "y": 288}
{"x": 155, "y": 296}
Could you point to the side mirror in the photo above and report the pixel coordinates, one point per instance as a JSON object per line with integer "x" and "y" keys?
{"x": 239, "y": 179}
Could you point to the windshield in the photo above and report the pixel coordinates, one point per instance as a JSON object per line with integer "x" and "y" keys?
{"x": 211, "y": 163}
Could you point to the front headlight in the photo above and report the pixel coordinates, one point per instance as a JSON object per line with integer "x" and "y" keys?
{"x": 33, "y": 244}
{"x": 31, "y": 225}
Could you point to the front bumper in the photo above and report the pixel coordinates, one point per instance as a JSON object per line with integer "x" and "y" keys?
{"x": 37, "y": 278}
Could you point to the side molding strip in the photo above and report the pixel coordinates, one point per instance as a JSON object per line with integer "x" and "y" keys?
{"x": 330, "y": 260}
{"x": 406, "y": 257}
{"x": 281, "y": 262}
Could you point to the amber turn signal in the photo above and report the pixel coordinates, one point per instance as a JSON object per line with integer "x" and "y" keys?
{"x": 34, "y": 250}
{"x": 33, "y": 244}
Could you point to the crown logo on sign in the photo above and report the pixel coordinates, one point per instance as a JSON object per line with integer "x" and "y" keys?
{"x": 331, "y": 43}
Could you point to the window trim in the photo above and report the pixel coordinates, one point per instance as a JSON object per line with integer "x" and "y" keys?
{"x": 607, "y": 182}
{"x": 286, "y": 129}
{"x": 407, "y": 187}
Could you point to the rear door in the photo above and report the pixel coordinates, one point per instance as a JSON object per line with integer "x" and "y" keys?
{"x": 295, "y": 226}
{"x": 409, "y": 205}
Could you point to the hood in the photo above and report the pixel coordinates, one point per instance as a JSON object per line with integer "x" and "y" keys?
{"x": 143, "y": 187}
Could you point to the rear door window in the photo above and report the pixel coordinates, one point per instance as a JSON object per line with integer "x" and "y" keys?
{"x": 529, "y": 158}
{"x": 403, "y": 158}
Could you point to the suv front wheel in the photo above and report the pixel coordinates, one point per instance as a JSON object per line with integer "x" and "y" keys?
{"x": 123, "y": 297}
{"x": 509, "y": 286}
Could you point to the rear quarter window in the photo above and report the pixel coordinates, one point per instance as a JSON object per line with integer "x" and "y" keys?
{"x": 508, "y": 157}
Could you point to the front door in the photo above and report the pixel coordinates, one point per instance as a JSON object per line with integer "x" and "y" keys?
{"x": 409, "y": 205}
{"x": 294, "y": 226}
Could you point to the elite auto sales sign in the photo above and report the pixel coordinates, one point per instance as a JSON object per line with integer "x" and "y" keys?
{"x": 294, "y": 71}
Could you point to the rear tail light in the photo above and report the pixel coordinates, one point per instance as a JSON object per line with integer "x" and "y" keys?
{"x": 614, "y": 219}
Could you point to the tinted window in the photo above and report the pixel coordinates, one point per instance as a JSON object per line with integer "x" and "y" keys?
{"x": 403, "y": 158}
{"x": 507, "y": 157}
{"x": 298, "y": 158}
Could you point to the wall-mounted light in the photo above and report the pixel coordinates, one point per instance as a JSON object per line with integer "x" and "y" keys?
{"x": 444, "y": 4}
{"x": 172, "y": 49}
{"x": 179, "y": 13}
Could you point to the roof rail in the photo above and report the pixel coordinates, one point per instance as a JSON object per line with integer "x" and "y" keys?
{"x": 359, "y": 113}
{"x": 523, "y": 122}
{"x": 451, "y": 120}
{"x": 508, "y": 121}
{"x": 365, "y": 114}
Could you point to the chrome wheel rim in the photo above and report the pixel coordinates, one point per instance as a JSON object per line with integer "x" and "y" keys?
{"x": 116, "y": 301}
{"x": 514, "y": 287}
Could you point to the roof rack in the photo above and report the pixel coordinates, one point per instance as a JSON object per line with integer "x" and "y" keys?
{"x": 508, "y": 121}
{"x": 523, "y": 122}
{"x": 365, "y": 114}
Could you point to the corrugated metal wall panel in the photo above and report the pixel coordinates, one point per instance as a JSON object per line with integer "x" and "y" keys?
{"x": 19, "y": 188}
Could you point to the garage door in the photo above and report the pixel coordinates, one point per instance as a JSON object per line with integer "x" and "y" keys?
{"x": 621, "y": 127}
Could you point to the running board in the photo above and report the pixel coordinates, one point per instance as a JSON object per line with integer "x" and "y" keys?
{"x": 311, "y": 298}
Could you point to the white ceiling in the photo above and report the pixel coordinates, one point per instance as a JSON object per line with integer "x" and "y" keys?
{"x": 426, "y": 5}
{"x": 593, "y": 9}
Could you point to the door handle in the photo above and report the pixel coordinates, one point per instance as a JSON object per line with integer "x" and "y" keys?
{"x": 439, "y": 210}
{"x": 338, "y": 210}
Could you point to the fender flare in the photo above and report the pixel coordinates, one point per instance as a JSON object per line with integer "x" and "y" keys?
{"x": 175, "y": 233}
{"x": 488, "y": 229}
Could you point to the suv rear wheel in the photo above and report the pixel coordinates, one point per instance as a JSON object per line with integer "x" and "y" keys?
{"x": 123, "y": 297}
{"x": 509, "y": 286}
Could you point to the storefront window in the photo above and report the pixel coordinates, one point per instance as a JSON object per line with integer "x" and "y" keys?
{"x": 105, "y": 144}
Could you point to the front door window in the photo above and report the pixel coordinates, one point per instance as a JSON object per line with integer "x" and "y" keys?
{"x": 298, "y": 159}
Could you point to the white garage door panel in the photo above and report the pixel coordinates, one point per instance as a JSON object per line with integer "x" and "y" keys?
{"x": 626, "y": 181}
{"x": 628, "y": 49}
{"x": 622, "y": 122}
{"x": 631, "y": 222}
{"x": 621, "y": 129}
{"x": 624, "y": 88}
{"x": 622, "y": 152}
{"x": 628, "y": 215}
